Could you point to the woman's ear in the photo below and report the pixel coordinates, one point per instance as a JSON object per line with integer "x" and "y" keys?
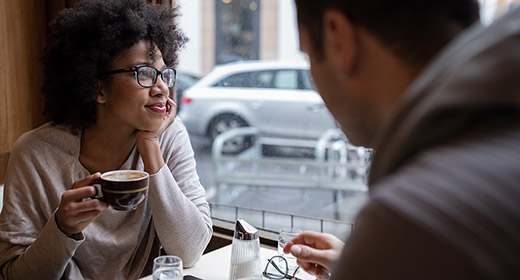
{"x": 100, "y": 96}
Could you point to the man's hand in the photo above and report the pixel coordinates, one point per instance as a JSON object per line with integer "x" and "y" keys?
{"x": 315, "y": 252}
{"x": 76, "y": 210}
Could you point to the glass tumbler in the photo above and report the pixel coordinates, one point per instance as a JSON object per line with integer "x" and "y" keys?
{"x": 284, "y": 236}
{"x": 167, "y": 268}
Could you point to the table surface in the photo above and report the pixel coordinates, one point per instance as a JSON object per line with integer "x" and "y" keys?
{"x": 215, "y": 265}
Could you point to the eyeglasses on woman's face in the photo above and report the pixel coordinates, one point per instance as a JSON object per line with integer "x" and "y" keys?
{"x": 278, "y": 268}
{"x": 146, "y": 75}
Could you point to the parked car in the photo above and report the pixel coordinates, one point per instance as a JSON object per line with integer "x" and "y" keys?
{"x": 184, "y": 81}
{"x": 277, "y": 97}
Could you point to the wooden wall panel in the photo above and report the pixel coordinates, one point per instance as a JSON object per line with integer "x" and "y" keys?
{"x": 3, "y": 78}
{"x": 53, "y": 7}
{"x": 4, "y": 157}
{"x": 22, "y": 31}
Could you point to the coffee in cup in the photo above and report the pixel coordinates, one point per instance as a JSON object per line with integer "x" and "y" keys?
{"x": 123, "y": 190}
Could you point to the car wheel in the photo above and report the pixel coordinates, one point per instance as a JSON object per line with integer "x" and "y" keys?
{"x": 227, "y": 122}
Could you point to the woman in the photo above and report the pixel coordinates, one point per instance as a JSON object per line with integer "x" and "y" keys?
{"x": 107, "y": 85}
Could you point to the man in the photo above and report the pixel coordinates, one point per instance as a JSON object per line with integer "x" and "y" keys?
{"x": 444, "y": 117}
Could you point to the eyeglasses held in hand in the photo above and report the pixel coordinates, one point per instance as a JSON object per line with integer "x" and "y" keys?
{"x": 146, "y": 75}
{"x": 278, "y": 268}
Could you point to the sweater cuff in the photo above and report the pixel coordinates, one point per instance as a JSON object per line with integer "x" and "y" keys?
{"x": 164, "y": 171}
{"x": 49, "y": 254}
{"x": 56, "y": 241}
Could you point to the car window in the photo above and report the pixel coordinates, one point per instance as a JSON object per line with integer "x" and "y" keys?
{"x": 236, "y": 80}
{"x": 262, "y": 79}
{"x": 286, "y": 79}
{"x": 305, "y": 80}
{"x": 280, "y": 79}
{"x": 256, "y": 79}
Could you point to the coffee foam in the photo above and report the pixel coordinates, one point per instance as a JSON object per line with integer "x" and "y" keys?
{"x": 123, "y": 176}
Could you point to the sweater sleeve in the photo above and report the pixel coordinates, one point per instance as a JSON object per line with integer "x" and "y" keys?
{"x": 180, "y": 212}
{"x": 31, "y": 245}
{"x": 46, "y": 258}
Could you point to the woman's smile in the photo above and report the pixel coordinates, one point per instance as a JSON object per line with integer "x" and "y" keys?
{"x": 159, "y": 107}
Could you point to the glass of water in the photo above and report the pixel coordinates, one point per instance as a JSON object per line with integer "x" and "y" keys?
{"x": 285, "y": 235}
{"x": 167, "y": 268}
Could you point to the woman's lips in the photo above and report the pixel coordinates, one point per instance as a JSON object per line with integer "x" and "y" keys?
{"x": 158, "y": 107}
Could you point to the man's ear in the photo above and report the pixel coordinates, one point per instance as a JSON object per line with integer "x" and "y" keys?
{"x": 341, "y": 42}
{"x": 100, "y": 96}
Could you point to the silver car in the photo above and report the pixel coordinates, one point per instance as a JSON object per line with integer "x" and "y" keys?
{"x": 277, "y": 97}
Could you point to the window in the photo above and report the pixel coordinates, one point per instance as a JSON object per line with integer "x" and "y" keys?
{"x": 259, "y": 79}
{"x": 287, "y": 79}
{"x": 280, "y": 79}
{"x": 305, "y": 80}
{"x": 255, "y": 76}
{"x": 292, "y": 166}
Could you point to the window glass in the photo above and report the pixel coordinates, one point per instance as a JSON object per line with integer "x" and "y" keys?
{"x": 305, "y": 80}
{"x": 281, "y": 79}
{"x": 286, "y": 79}
{"x": 257, "y": 79}
{"x": 263, "y": 79}
{"x": 237, "y": 80}
{"x": 291, "y": 165}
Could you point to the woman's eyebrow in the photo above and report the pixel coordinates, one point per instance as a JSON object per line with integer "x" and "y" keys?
{"x": 142, "y": 63}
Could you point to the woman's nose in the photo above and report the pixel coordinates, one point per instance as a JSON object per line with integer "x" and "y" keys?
{"x": 160, "y": 87}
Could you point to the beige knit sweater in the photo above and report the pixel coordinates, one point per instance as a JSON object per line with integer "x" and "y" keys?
{"x": 117, "y": 245}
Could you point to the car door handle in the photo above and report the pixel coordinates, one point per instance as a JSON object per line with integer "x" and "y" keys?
{"x": 316, "y": 107}
{"x": 256, "y": 105}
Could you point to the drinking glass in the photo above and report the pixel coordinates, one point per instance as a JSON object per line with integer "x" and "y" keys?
{"x": 167, "y": 268}
{"x": 285, "y": 235}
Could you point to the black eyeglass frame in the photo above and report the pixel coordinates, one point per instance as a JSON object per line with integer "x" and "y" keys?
{"x": 284, "y": 275}
{"x": 135, "y": 69}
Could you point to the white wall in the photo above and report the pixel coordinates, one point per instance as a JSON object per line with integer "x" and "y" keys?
{"x": 487, "y": 11}
{"x": 288, "y": 42}
{"x": 190, "y": 60}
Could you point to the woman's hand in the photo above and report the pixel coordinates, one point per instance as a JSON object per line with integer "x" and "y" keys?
{"x": 315, "y": 252}
{"x": 147, "y": 140}
{"x": 168, "y": 118}
{"x": 76, "y": 212}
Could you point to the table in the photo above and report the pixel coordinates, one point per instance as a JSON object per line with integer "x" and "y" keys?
{"x": 215, "y": 265}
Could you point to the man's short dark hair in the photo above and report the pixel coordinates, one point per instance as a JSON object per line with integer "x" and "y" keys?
{"x": 86, "y": 38}
{"x": 413, "y": 30}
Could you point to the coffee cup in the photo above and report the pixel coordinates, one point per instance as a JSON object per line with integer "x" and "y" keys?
{"x": 122, "y": 190}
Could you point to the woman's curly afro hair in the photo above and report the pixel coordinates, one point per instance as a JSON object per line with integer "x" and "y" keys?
{"x": 86, "y": 38}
